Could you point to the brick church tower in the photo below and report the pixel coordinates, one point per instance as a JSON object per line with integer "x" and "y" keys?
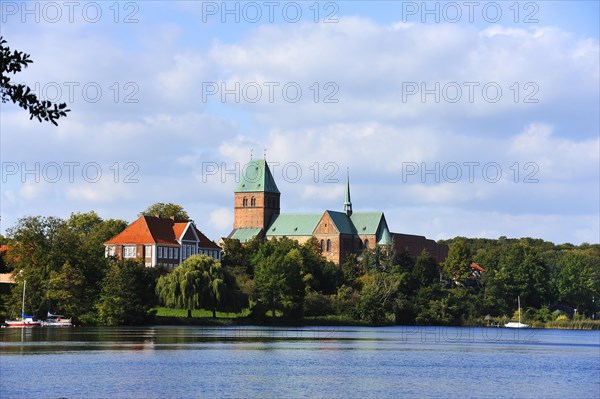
{"x": 256, "y": 197}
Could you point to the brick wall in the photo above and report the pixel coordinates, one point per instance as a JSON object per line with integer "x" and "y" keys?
{"x": 258, "y": 215}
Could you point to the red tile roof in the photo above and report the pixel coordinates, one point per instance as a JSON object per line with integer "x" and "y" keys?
{"x": 179, "y": 228}
{"x": 156, "y": 230}
{"x": 147, "y": 230}
{"x": 204, "y": 241}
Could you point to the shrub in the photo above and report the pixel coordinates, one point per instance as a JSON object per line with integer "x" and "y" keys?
{"x": 317, "y": 304}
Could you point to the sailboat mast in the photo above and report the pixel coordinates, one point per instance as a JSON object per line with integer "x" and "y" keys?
{"x": 519, "y": 305}
{"x": 23, "y": 303}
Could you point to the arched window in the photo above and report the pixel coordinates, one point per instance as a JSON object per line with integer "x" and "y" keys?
{"x": 367, "y": 244}
{"x": 245, "y": 202}
{"x": 328, "y": 245}
{"x": 253, "y": 202}
{"x": 322, "y": 245}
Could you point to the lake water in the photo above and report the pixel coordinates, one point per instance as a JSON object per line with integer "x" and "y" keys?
{"x": 333, "y": 362}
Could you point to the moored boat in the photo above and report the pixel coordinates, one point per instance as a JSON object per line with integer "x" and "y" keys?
{"x": 56, "y": 320}
{"x": 514, "y": 324}
{"x": 26, "y": 321}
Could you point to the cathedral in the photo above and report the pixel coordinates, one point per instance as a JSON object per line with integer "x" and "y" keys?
{"x": 257, "y": 214}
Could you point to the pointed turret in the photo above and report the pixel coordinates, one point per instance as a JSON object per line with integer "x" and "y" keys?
{"x": 347, "y": 202}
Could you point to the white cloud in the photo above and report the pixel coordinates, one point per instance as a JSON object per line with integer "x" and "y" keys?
{"x": 171, "y": 134}
{"x": 32, "y": 191}
{"x": 559, "y": 158}
{"x": 106, "y": 190}
{"x": 221, "y": 219}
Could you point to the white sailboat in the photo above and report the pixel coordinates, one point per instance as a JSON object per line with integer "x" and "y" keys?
{"x": 513, "y": 324}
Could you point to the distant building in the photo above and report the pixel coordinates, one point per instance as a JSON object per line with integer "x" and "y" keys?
{"x": 257, "y": 214}
{"x": 161, "y": 241}
{"x": 5, "y": 277}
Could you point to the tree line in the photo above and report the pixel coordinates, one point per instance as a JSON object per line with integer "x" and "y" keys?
{"x": 382, "y": 286}
{"x": 67, "y": 272}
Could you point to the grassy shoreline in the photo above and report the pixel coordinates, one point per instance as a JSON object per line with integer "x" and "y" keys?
{"x": 165, "y": 316}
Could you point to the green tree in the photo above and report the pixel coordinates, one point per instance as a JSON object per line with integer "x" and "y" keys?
{"x": 83, "y": 223}
{"x": 452, "y": 306}
{"x": 20, "y": 94}
{"x": 200, "y": 282}
{"x": 236, "y": 261}
{"x": 278, "y": 278}
{"x": 352, "y": 270}
{"x": 66, "y": 291}
{"x": 325, "y": 277}
{"x": 521, "y": 272}
{"x": 167, "y": 211}
{"x": 426, "y": 270}
{"x": 378, "y": 295}
{"x": 458, "y": 263}
{"x": 127, "y": 294}
{"x": 38, "y": 246}
{"x": 578, "y": 280}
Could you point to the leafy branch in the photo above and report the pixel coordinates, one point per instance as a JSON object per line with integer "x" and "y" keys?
{"x": 12, "y": 63}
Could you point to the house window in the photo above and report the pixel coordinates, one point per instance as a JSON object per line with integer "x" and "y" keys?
{"x": 253, "y": 202}
{"x": 328, "y": 245}
{"x": 110, "y": 250}
{"x": 170, "y": 253}
{"x": 160, "y": 252}
{"x": 322, "y": 245}
{"x": 176, "y": 253}
{"x": 148, "y": 251}
{"x": 129, "y": 251}
{"x": 367, "y": 244}
{"x": 245, "y": 202}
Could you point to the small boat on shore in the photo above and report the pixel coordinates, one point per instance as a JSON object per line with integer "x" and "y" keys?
{"x": 56, "y": 320}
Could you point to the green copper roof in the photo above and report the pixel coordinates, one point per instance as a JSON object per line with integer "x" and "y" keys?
{"x": 384, "y": 238}
{"x": 342, "y": 222}
{"x": 257, "y": 177}
{"x": 367, "y": 222}
{"x": 293, "y": 225}
{"x": 245, "y": 234}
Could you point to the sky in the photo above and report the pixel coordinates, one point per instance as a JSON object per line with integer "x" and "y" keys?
{"x": 476, "y": 119}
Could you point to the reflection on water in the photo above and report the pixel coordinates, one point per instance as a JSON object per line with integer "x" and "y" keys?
{"x": 294, "y": 362}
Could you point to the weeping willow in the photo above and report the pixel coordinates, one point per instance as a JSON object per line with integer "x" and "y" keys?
{"x": 200, "y": 283}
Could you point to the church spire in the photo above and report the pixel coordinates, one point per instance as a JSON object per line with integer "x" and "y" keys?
{"x": 347, "y": 202}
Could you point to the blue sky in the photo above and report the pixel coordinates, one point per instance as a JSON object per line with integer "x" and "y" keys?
{"x": 476, "y": 119}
